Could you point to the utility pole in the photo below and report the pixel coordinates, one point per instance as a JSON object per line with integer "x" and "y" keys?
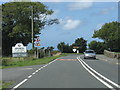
{"x": 32, "y": 28}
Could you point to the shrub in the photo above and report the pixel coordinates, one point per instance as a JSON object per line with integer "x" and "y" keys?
{"x": 7, "y": 62}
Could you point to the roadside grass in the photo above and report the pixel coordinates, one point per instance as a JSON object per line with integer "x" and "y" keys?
{"x": 32, "y": 62}
{"x": 5, "y": 84}
{"x": 117, "y": 52}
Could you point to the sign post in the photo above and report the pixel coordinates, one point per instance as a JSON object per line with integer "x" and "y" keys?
{"x": 19, "y": 50}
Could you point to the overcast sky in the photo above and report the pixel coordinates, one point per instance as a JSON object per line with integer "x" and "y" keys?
{"x": 77, "y": 19}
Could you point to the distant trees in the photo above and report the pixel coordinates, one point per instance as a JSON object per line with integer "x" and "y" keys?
{"x": 60, "y": 46}
{"x": 81, "y": 43}
{"x": 66, "y": 48}
{"x": 98, "y": 47}
{"x": 110, "y": 34}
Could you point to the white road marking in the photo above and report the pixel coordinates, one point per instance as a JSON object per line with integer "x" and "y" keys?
{"x": 36, "y": 70}
{"x": 106, "y": 84}
{"x": 39, "y": 69}
{"x": 102, "y": 75}
{"x": 44, "y": 66}
{"x": 18, "y": 85}
{"x": 80, "y": 60}
{"x": 33, "y": 73}
{"x": 30, "y": 76}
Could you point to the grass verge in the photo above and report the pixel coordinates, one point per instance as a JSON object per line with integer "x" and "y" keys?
{"x": 33, "y": 62}
{"x": 5, "y": 84}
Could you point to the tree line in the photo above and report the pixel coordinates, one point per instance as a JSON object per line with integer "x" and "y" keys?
{"x": 79, "y": 42}
{"x": 109, "y": 33}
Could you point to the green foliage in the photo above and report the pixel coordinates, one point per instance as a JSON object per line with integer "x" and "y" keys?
{"x": 16, "y": 25}
{"x": 110, "y": 33}
{"x": 5, "y": 84}
{"x": 7, "y": 62}
{"x": 31, "y": 52}
{"x": 66, "y": 48}
{"x": 55, "y": 52}
{"x": 81, "y": 43}
{"x": 98, "y": 47}
{"x": 60, "y": 46}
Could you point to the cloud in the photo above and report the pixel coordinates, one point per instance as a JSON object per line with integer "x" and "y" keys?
{"x": 104, "y": 11}
{"x": 70, "y": 24}
{"x": 84, "y": 4}
{"x": 107, "y": 10}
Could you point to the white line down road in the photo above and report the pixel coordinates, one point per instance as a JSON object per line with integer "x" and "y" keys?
{"x": 98, "y": 76}
{"x": 18, "y": 85}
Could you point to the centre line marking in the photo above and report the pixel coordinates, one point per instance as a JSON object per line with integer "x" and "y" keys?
{"x": 30, "y": 76}
{"x": 18, "y": 85}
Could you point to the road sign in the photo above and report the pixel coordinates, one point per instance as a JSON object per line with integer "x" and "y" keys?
{"x": 37, "y": 44}
{"x": 74, "y": 50}
{"x": 19, "y": 50}
{"x": 37, "y": 41}
{"x": 75, "y": 47}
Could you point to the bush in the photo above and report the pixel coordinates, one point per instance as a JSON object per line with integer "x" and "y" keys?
{"x": 7, "y": 62}
{"x": 98, "y": 47}
{"x": 55, "y": 52}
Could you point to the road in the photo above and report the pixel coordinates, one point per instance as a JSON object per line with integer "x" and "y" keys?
{"x": 72, "y": 72}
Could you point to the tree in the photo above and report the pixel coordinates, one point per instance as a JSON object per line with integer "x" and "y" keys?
{"x": 81, "y": 43}
{"x": 60, "y": 46}
{"x": 110, "y": 33}
{"x": 98, "y": 47}
{"x": 16, "y": 25}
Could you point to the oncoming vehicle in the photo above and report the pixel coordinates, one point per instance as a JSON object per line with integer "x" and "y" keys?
{"x": 89, "y": 54}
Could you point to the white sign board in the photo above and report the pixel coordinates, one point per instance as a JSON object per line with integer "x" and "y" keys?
{"x": 74, "y": 50}
{"x": 19, "y": 50}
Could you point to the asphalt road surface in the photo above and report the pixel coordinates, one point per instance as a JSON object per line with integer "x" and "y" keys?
{"x": 73, "y": 72}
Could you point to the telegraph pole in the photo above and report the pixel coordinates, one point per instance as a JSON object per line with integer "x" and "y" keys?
{"x": 32, "y": 28}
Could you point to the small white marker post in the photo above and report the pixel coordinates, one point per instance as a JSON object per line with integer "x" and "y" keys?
{"x": 77, "y": 51}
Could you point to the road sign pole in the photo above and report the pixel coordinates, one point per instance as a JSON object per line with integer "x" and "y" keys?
{"x": 37, "y": 53}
